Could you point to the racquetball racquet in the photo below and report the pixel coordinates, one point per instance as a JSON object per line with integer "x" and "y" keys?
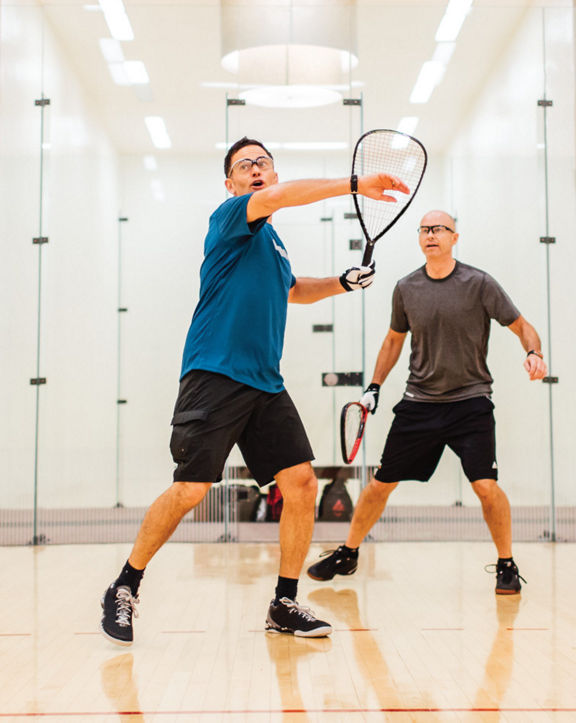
{"x": 352, "y": 425}
{"x": 394, "y": 153}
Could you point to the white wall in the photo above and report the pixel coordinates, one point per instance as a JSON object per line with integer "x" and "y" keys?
{"x": 78, "y": 332}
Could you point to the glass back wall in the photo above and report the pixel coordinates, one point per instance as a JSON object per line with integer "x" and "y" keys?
{"x": 111, "y": 164}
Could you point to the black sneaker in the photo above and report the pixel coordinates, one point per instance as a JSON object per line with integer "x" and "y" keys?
{"x": 338, "y": 563}
{"x": 119, "y": 605}
{"x": 287, "y": 616}
{"x": 507, "y": 577}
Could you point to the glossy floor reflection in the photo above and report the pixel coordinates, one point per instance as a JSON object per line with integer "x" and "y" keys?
{"x": 418, "y": 636}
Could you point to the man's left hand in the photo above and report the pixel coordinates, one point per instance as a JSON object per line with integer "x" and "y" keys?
{"x": 535, "y": 366}
{"x": 358, "y": 277}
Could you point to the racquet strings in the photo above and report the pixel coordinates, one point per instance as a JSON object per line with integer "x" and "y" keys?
{"x": 394, "y": 153}
{"x": 352, "y": 426}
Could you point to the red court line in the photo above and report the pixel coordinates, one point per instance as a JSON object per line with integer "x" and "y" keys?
{"x": 441, "y": 628}
{"x": 527, "y": 628}
{"x": 15, "y": 635}
{"x": 280, "y": 711}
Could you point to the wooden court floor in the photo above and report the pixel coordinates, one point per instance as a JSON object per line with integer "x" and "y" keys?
{"x": 418, "y": 636}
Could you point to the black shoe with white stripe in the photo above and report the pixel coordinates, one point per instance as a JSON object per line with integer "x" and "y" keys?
{"x": 287, "y": 616}
{"x": 118, "y": 605}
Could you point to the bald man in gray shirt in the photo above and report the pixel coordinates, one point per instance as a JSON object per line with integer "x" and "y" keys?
{"x": 447, "y": 307}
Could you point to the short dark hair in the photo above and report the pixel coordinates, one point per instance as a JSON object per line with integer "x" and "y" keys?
{"x": 237, "y": 146}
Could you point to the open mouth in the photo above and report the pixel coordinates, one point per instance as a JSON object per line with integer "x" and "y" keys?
{"x": 257, "y": 184}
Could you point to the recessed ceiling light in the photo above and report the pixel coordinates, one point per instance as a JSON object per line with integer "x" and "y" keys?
{"x": 117, "y": 19}
{"x": 430, "y": 75}
{"x": 452, "y": 20}
{"x": 158, "y": 132}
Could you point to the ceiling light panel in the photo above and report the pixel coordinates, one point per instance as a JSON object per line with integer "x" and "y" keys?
{"x": 117, "y": 19}
{"x": 452, "y": 20}
{"x": 158, "y": 132}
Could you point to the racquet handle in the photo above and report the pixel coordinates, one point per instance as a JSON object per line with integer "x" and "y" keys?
{"x": 368, "y": 251}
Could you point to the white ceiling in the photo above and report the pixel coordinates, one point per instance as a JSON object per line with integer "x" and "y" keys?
{"x": 179, "y": 42}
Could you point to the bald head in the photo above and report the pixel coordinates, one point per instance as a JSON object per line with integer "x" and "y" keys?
{"x": 433, "y": 218}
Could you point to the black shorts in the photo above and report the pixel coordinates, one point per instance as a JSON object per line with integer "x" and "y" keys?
{"x": 213, "y": 412}
{"x": 421, "y": 430}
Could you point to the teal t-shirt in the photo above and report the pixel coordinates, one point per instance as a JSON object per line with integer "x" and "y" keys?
{"x": 238, "y": 325}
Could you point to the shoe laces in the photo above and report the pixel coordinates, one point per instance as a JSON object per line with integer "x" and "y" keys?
{"x": 493, "y": 567}
{"x": 125, "y": 606}
{"x": 295, "y": 607}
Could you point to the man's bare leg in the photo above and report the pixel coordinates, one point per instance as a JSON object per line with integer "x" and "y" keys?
{"x": 299, "y": 487}
{"x": 163, "y": 517}
{"x": 496, "y": 510}
{"x": 368, "y": 511}
{"x": 159, "y": 523}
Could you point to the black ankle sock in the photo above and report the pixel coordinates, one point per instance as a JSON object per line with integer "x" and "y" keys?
{"x": 130, "y": 577}
{"x": 505, "y": 560}
{"x": 351, "y": 551}
{"x": 286, "y": 587}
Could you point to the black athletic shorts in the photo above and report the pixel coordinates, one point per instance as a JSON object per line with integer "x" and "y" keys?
{"x": 213, "y": 412}
{"x": 421, "y": 430}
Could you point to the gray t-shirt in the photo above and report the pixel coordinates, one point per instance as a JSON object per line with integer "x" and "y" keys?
{"x": 449, "y": 320}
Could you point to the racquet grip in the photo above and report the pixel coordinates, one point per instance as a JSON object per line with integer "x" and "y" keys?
{"x": 368, "y": 251}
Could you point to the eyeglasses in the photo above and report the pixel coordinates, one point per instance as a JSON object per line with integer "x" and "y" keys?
{"x": 434, "y": 229}
{"x": 244, "y": 165}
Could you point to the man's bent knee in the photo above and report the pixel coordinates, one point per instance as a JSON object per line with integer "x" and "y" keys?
{"x": 298, "y": 482}
{"x": 187, "y": 495}
{"x": 381, "y": 489}
{"x": 485, "y": 488}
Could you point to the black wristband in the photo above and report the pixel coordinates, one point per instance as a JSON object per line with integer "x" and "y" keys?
{"x": 536, "y": 353}
{"x": 373, "y": 387}
{"x": 354, "y": 184}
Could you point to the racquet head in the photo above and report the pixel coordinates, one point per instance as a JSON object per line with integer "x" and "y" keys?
{"x": 394, "y": 153}
{"x": 352, "y": 425}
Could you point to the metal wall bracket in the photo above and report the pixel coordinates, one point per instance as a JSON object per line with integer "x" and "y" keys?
{"x": 545, "y": 103}
{"x": 547, "y": 239}
{"x": 122, "y": 308}
{"x": 38, "y": 380}
{"x": 350, "y": 215}
{"x": 355, "y": 244}
{"x": 122, "y": 218}
{"x": 40, "y": 240}
{"x": 323, "y": 327}
{"x": 42, "y": 101}
{"x": 121, "y": 401}
{"x": 325, "y": 219}
{"x": 352, "y": 101}
{"x": 550, "y": 380}
{"x": 235, "y": 101}
{"x": 342, "y": 379}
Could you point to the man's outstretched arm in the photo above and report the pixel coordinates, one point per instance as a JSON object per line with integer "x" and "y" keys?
{"x": 299, "y": 193}
{"x": 534, "y": 362}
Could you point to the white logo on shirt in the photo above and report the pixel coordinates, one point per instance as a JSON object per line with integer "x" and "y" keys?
{"x": 280, "y": 250}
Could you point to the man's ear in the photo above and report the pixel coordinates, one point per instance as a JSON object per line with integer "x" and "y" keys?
{"x": 229, "y": 186}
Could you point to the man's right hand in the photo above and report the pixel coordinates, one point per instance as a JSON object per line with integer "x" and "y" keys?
{"x": 370, "y": 397}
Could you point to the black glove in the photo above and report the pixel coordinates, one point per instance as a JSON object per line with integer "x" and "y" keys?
{"x": 370, "y": 397}
{"x": 358, "y": 277}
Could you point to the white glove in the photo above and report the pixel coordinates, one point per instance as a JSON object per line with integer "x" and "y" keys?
{"x": 370, "y": 397}
{"x": 358, "y": 277}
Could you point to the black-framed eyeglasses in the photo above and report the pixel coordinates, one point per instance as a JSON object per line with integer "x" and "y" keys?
{"x": 434, "y": 229}
{"x": 244, "y": 165}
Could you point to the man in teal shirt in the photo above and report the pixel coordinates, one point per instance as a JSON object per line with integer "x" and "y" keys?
{"x": 231, "y": 390}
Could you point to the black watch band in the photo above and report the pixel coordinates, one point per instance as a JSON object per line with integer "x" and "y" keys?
{"x": 354, "y": 184}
